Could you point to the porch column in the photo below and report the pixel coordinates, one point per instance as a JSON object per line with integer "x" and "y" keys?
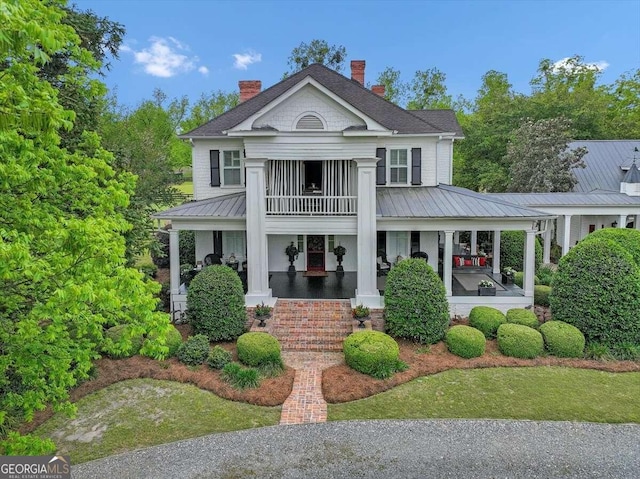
{"x": 367, "y": 289}
{"x": 566, "y": 239}
{"x": 456, "y": 237}
{"x": 546, "y": 255}
{"x": 257, "y": 254}
{"x": 496, "y": 252}
{"x": 529, "y": 263}
{"x": 637, "y": 222}
{"x": 474, "y": 242}
{"x": 622, "y": 221}
{"x": 446, "y": 264}
{"x": 174, "y": 261}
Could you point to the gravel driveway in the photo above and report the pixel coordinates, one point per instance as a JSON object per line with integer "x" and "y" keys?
{"x": 391, "y": 449}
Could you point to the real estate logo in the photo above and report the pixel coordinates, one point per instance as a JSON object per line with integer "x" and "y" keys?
{"x": 35, "y": 467}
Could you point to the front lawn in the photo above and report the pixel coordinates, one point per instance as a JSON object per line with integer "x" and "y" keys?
{"x": 535, "y": 393}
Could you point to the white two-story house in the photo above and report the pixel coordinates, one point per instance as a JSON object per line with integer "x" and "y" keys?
{"x": 319, "y": 160}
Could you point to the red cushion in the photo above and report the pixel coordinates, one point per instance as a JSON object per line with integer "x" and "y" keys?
{"x": 468, "y": 262}
{"x": 455, "y": 261}
{"x": 483, "y": 260}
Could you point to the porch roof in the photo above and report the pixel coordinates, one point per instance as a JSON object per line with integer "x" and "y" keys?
{"x": 227, "y": 206}
{"x": 600, "y": 198}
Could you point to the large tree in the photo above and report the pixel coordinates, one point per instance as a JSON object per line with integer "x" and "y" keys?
{"x": 539, "y": 158}
{"x": 428, "y": 91}
{"x": 316, "y": 51}
{"x": 62, "y": 272}
{"x": 395, "y": 90}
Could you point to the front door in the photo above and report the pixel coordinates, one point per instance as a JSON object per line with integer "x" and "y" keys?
{"x": 315, "y": 253}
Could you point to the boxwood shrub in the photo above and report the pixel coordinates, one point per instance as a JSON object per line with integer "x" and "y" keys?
{"x": 123, "y": 342}
{"x": 597, "y": 289}
{"x": 562, "y": 339}
{"x": 173, "y": 340}
{"x": 487, "y": 320}
{"x": 541, "y": 295}
{"x": 219, "y": 357}
{"x": 259, "y": 349}
{"x": 520, "y": 341}
{"x": 465, "y": 341}
{"x": 373, "y": 353}
{"x": 194, "y": 350}
{"x": 518, "y": 279}
{"x": 512, "y": 250}
{"x": 523, "y": 316}
{"x": 627, "y": 238}
{"x": 215, "y": 304}
{"x": 416, "y": 304}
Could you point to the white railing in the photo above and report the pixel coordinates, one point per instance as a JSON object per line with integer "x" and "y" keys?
{"x": 311, "y": 205}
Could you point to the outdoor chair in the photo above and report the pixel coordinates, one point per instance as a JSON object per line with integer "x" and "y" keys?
{"x": 211, "y": 259}
{"x": 382, "y": 264}
{"x": 420, "y": 254}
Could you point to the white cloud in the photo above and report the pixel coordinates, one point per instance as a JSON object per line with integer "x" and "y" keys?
{"x": 568, "y": 64}
{"x": 204, "y": 70}
{"x": 163, "y": 58}
{"x": 243, "y": 60}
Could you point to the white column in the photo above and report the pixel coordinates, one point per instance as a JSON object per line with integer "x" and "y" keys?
{"x": 496, "y": 252}
{"x": 566, "y": 239}
{"x": 546, "y": 256}
{"x": 174, "y": 260}
{"x": 622, "y": 221}
{"x": 456, "y": 237}
{"x": 529, "y": 263}
{"x": 367, "y": 289}
{"x": 257, "y": 247}
{"x": 446, "y": 264}
{"x": 637, "y": 222}
{"x": 474, "y": 242}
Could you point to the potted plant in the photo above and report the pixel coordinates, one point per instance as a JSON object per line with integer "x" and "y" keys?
{"x": 339, "y": 251}
{"x": 292, "y": 252}
{"x": 486, "y": 288}
{"x": 507, "y": 275}
{"x": 361, "y": 313}
{"x": 263, "y": 312}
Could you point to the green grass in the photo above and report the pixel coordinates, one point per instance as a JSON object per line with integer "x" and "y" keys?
{"x": 185, "y": 187}
{"x": 146, "y": 412}
{"x": 537, "y": 393}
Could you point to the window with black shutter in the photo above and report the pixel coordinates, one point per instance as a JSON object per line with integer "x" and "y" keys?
{"x": 214, "y": 165}
{"x": 381, "y": 166}
{"x": 416, "y": 166}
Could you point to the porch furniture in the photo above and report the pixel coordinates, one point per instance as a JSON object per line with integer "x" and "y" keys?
{"x": 420, "y": 254}
{"x": 469, "y": 260}
{"x": 211, "y": 259}
{"x": 382, "y": 264}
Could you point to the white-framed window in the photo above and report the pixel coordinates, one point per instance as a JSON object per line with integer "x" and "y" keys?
{"x": 231, "y": 168}
{"x": 399, "y": 166}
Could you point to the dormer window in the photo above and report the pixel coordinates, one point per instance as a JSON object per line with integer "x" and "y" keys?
{"x": 309, "y": 122}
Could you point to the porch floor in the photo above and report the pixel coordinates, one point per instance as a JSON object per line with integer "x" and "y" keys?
{"x": 508, "y": 290}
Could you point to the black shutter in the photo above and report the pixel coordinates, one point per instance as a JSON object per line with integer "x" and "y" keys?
{"x": 416, "y": 166}
{"x": 217, "y": 243}
{"x": 214, "y": 164}
{"x": 381, "y": 167}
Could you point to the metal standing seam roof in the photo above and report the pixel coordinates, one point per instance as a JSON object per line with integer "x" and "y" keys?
{"x": 227, "y": 206}
{"x": 633, "y": 175}
{"x": 384, "y": 112}
{"x": 603, "y": 164}
{"x": 567, "y": 199}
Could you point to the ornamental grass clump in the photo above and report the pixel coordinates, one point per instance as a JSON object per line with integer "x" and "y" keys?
{"x": 215, "y": 304}
{"x": 465, "y": 341}
{"x": 487, "y": 320}
{"x": 523, "y": 316}
{"x": 239, "y": 377}
{"x": 416, "y": 304}
{"x": 194, "y": 350}
{"x": 520, "y": 341}
{"x": 562, "y": 339}
{"x": 373, "y": 353}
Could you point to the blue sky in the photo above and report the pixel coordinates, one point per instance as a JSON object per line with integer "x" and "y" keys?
{"x": 194, "y": 47}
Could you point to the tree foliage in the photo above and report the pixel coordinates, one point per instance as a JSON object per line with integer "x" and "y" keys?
{"x": 206, "y": 108}
{"x": 316, "y": 51}
{"x": 395, "y": 90}
{"x": 62, "y": 271}
{"x": 540, "y": 159}
{"x": 428, "y": 91}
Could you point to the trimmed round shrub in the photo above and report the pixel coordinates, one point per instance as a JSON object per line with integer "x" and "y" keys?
{"x": 487, "y": 320}
{"x": 520, "y": 341}
{"x": 258, "y": 349}
{"x": 173, "y": 340}
{"x": 562, "y": 340}
{"x": 117, "y": 334}
{"x": 627, "y": 238}
{"x": 194, "y": 350}
{"x": 512, "y": 250}
{"x": 597, "y": 290}
{"x": 465, "y": 341}
{"x": 541, "y": 295}
{"x": 523, "y": 316}
{"x": 215, "y": 304}
{"x": 219, "y": 357}
{"x": 416, "y": 304}
{"x": 518, "y": 279}
{"x": 373, "y": 353}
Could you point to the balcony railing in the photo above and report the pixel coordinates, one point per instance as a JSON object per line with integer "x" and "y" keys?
{"x": 311, "y": 205}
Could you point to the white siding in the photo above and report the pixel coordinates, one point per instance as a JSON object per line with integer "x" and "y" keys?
{"x": 430, "y": 150}
{"x": 204, "y": 244}
{"x": 444, "y": 162}
{"x": 308, "y": 100}
{"x": 202, "y": 188}
{"x": 310, "y": 146}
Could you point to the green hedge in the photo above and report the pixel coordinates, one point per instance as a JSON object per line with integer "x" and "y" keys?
{"x": 512, "y": 250}
{"x": 562, "y": 340}
{"x": 597, "y": 289}
{"x": 627, "y": 238}
{"x": 215, "y": 304}
{"x": 194, "y": 351}
{"x": 258, "y": 349}
{"x": 124, "y": 342}
{"x": 520, "y": 341}
{"x": 373, "y": 353}
{"x": 518, "y": 279}
{"x": 545, "y": 275}
{"x": 523, "y": 316}
{"x": 541, "y": 295}
{"x": 465, "y": 341}
{"x": 416, "y": 304}
{"x": 487, "y": 320}
{"x": 173, "y": 340}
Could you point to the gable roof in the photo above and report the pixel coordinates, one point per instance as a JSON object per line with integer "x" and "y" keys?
{"x": 382, "y": 111}
{"x": 443, "y": 119}
{"x": 604, "y": 162}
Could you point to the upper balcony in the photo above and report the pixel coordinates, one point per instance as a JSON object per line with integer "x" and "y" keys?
{"x": 311, "y": 188}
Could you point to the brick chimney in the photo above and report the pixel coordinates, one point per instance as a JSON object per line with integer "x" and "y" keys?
{"x": 378, "y": 90}
{"x": 249, "y": 89}
{"x": 357, "y": 71}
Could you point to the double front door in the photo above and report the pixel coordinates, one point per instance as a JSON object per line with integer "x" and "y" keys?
{"x": 315, "y": 253}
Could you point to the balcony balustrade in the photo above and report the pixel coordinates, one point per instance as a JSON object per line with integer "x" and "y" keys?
{"x": 312, "y": 205}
